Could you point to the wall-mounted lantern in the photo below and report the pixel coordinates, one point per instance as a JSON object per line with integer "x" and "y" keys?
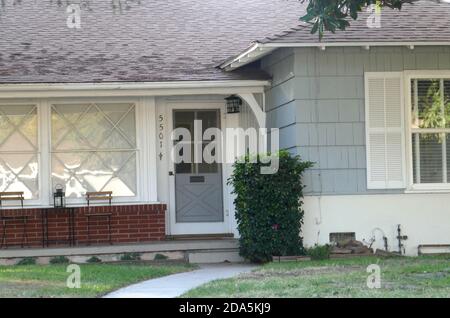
{"x": 59, "y": 197}
{"x": 233, "y": 104}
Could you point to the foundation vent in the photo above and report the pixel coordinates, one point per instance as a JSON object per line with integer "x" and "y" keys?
{"x": 342, "y": 237}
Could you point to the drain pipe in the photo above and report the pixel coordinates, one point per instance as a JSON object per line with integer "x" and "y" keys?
{"x": 385, "y": 243}
{"x": 401, "y": 238}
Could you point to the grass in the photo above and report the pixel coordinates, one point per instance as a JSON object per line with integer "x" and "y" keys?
{"x": 400, "y": 277}
{"x": 96, "y": 279}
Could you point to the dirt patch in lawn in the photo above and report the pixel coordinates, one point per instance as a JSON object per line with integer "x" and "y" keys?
{"x": 431, "y": 275}
{"x": 23, "y": 288}
{"x": 400, "y": 278}
{"x": 307, "y": 271}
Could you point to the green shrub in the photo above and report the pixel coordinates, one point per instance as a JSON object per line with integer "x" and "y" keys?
{"x": 27, "y": 261}
{"x": 94, "y": 259}
{"x": 268, "y": 207}
{"x": 130, "y": 257}
{"x": 160, "y": 257}
{"x": 59, "y": 260}
{"x": 319, "y": 252}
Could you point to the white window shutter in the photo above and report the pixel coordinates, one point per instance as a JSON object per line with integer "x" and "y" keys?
{"x": 385, "y": 131}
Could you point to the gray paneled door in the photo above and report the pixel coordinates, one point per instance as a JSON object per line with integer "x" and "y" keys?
{"x": 198, "y": 186}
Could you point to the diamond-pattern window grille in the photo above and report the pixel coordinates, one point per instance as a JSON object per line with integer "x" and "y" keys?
{"x": 94, "y": 148}
{"x": 19, "y": 153}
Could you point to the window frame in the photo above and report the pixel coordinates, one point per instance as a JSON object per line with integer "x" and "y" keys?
{"x": 137, "y": 150}
{"x": 36, "y": 102}
{"x": 408, "y": 77}
{"x": 146, "y": 174}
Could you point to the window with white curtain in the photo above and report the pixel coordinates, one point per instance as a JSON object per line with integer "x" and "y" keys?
{"x": 19, "y": 149}
{"x": 430, "y": 129}
{"x": 94, "y": 148}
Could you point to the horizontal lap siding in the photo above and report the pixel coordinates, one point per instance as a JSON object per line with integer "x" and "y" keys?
{"x": 129, "y": 223}
{"x": 280, "y": 100}
{"x": 317, "y": 101}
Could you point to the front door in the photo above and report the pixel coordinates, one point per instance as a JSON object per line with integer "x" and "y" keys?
{"x": 198, "y": 186}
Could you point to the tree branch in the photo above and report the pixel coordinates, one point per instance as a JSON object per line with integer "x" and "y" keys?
{"x": 332, "y": 15}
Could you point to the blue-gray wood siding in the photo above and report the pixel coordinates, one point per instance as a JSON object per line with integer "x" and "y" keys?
{"x": 317, "y": 101}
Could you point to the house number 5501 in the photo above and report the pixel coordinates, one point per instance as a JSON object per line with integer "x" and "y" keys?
{"x": 161, "y": 135}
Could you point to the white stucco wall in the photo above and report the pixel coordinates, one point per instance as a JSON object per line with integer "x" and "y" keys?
{"x": 424, "y": 218}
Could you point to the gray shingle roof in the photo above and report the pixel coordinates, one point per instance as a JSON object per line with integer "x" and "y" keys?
{"x": 158, "y": 40}
{"x": 422, "y": 21}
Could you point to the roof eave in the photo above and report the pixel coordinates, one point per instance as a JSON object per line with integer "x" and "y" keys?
{"x": 259, "y": 50}
{"x": 31, "y": 90}
{"x": 251, "y": 54}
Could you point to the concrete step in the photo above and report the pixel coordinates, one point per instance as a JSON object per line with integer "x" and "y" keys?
{"x": 190, "y": 237}
{"x": 160, "y": 246}
{"x": 214, "y": 256}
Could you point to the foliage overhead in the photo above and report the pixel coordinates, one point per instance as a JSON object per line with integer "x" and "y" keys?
{"x": 269, "y": 207}
{"x": 332, "y": 15}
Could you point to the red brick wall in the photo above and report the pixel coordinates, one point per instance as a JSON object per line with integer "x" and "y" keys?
{"x": 129, "y": 223}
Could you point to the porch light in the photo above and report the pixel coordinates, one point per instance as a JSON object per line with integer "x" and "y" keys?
{"x": 233, "y": 104}
{"x": 59, "y": 197}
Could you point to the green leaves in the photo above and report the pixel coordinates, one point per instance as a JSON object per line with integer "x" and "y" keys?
{"x": 435, "y": 112}
{"x": 332, "y": 15}
{"x": 268, "y": 207}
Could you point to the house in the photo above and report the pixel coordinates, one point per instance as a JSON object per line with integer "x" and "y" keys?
{"x": 91, "y": 91}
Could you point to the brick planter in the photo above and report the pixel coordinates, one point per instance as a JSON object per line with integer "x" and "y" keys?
{"x": 130, "y": 224}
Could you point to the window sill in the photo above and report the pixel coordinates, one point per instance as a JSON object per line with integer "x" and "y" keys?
{"x": 77, "y": 205}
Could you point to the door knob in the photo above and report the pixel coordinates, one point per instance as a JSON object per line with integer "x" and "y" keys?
{"x": 171, "y": 173}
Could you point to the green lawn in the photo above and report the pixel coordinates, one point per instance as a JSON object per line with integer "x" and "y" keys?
{"x": 96, "y": 279}
{"x": 400, "y": 277}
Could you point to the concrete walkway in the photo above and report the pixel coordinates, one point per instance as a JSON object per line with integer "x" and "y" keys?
{"x": 177, "y": 284}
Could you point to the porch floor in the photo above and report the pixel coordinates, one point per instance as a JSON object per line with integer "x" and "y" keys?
{"x": 194, "y": 245}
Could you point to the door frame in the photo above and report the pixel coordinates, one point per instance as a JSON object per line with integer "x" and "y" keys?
{"x": 191, "y": 228}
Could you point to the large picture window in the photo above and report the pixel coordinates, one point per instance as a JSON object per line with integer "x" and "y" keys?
{"x": 430, "y": 129}
{"x": 94, "y": 148}
{"x": 19, "y": 149}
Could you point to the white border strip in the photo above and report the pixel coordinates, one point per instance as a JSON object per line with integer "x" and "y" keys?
{"x": 140, "y": 89}
{"x": 131, "y": 85}
{"x": 258, "y": 50}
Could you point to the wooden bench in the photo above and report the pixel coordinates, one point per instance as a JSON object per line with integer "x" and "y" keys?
{"x": 12, "y": 196}
{"x": 99, "y": 197}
